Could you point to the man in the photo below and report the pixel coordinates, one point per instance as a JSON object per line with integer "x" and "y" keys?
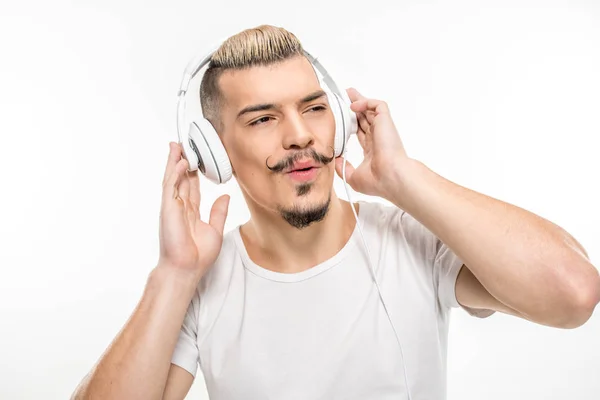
{"x": 284, "y": 307}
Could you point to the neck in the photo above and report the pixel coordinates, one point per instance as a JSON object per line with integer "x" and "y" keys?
{"x": 274, "y": 244}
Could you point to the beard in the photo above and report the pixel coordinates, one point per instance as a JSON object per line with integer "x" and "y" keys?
{"x": 302, "y": 216}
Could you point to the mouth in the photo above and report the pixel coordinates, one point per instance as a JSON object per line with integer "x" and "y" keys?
{"x": 303, "y": 174}
{"x": 302, "y": 166}
{"x": 301, "y": 169}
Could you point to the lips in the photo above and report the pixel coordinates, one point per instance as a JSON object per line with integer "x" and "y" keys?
{"x": 304, "y": 171}
{"x": 302, "y": 166}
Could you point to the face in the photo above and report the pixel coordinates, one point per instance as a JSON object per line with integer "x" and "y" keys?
{"x": 278, "y": 130}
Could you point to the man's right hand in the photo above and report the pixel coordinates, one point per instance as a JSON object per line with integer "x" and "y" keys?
{"x": 187, "y": 244}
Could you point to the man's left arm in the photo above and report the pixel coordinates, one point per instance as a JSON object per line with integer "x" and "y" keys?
{"x": 516, "y": 262}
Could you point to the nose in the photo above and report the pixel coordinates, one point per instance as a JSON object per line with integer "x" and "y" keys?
{"x": 297, "y": 134}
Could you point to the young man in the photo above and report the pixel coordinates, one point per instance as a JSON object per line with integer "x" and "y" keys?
{"x": 284, "y": 307}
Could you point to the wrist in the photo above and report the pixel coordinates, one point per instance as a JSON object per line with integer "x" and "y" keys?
{"x": 403, "y": 182}
{"x": 171, "y": 279}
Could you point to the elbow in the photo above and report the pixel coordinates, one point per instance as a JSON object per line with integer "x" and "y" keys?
{"x": 78, "y": 394}
{"x": 81, "y": 390}
{"x": 582, "y": 302}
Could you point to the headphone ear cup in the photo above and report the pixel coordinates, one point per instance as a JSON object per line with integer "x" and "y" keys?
{"x": 189, "y": 154}
{"x": 346, "y": 123}
{"x": 350, "y": 119}
{"x": 339, "y": 141}
{"x": 212, "y": 157}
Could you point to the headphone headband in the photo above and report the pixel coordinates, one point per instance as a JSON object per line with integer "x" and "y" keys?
{"x": 199, "y": 62}
{"x": 193, "y": 67}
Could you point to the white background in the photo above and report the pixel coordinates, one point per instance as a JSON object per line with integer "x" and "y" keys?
{"x": 500, "y": 96}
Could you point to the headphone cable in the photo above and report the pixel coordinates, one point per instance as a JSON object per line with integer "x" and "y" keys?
{"x": 373, "y": 271}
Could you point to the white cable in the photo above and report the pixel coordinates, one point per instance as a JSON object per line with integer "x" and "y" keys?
{"x": 373, "y": 271}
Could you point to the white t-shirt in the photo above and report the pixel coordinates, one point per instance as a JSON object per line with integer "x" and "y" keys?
{"x": 323, "y": 333}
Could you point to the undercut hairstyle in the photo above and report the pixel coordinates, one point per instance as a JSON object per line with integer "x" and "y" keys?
{"x": 260, "y": 46}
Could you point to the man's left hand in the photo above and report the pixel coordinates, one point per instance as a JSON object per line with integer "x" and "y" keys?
{"x": 383, "y": 152}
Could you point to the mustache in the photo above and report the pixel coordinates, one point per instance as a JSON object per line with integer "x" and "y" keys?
{"x": 289, "y": 161}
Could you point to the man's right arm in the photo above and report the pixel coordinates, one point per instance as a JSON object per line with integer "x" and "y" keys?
{"x": 137, "y": 364}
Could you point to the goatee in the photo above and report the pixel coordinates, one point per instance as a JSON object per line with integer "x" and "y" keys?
{"x": 301, "y": 217}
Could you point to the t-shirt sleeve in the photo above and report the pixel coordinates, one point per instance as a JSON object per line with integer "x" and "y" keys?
{"x": 186, "y": 352}
{"x": 439, "y": 259}
{"x": 446, "y": 267}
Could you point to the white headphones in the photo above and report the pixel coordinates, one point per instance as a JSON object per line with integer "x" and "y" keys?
{"x": 202, "y": 146}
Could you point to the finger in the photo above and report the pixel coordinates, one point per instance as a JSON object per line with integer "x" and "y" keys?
{"x": 370, "y": 116}
{"x": 363, "y": 131}
{"x": 354, "y": 95}
{"x": 218, "y": 213}
{"x": 194, "y": 189}
{"x": 173, "y": 158}
{"x": 361, "y": 136}
{"x": 184, "y": 188}
{"x": 363, "y": 123}
{"x": 377, "y": 106}
{"x": 171, "y": 186}
{"x": 339, "y": 163}
{"x": 191, "y": 210}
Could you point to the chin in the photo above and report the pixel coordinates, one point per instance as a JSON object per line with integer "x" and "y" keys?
{"x": 309, "y": 203}
{"x": 305, "y": 213}
{"x": 310, "y": 193}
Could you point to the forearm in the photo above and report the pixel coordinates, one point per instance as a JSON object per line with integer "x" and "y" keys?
{"x": 136, "y": 364}
{"x": 523, "y": 260}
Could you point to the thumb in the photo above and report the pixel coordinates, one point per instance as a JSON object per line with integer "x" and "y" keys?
{"x": 339, "y": 163}
{"x": 218, "y": 213}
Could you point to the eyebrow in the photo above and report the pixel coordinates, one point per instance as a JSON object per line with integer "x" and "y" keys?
{"x": 269, "y": 106}
{"x": 313, "y": 96}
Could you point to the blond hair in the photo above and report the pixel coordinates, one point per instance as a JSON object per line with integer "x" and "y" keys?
{"x": 260, "y": 46}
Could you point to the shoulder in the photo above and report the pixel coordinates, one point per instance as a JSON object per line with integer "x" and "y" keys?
{"x": 228, "y": 254}
{"x": 213, "y": 288}
{"x": 216, "y": 280}
{"x": 396, "y": 224}
{"x": 388, "y": 216}
{"x": 378, "y": 215}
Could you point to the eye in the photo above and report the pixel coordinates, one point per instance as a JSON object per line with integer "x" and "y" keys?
{"x": 317, "y": 108}
{"x": 259, "y": 121}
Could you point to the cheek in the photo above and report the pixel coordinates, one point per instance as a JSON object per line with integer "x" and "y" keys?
{"x": 248, "y": 162}
{"x": 323, "y": 128}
